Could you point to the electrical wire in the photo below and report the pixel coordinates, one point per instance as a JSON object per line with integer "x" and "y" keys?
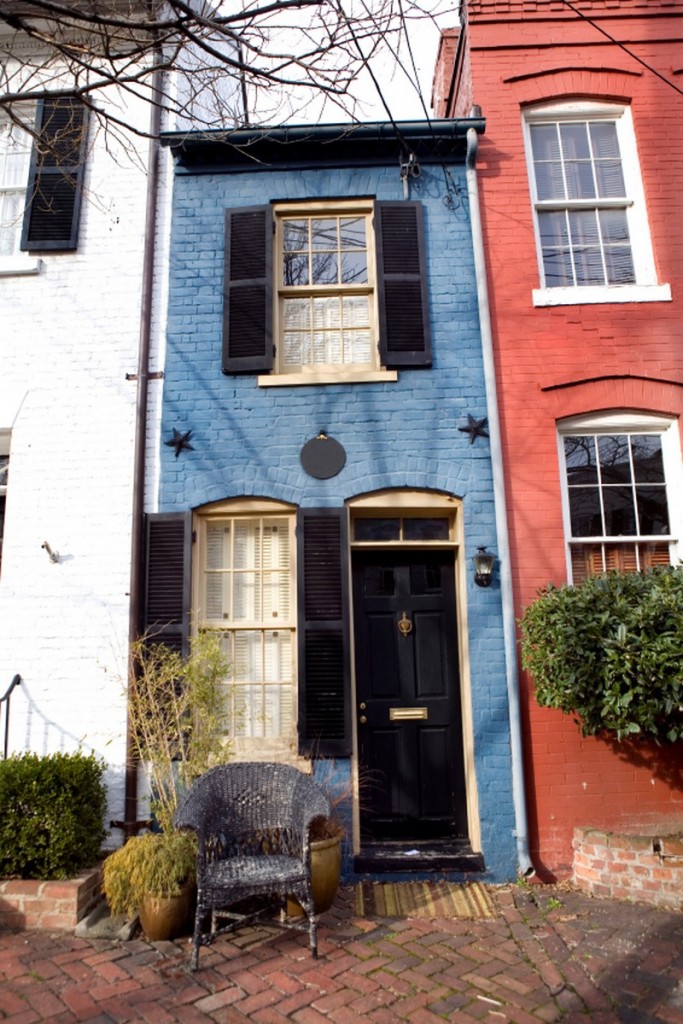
{"x": 622, "y": 46}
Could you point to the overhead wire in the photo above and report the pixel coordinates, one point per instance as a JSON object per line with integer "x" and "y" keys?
{"x": 623, "y": 46}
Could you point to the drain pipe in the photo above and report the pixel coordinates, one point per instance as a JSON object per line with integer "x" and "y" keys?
{"x": 130, "y": 824}
{"x": 526, "y": 867}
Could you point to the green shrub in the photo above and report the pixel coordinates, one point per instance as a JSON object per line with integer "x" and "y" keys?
{"x": 51, "y": 814}
{"x": 610, "y": 651}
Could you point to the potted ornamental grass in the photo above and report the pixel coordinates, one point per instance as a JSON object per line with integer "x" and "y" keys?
{"x": 178, "y": 723}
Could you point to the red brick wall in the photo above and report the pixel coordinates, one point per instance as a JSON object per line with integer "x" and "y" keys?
{"x": 566, "y": 360}
{"x": 642, "y": 868}
{"x": 50, "y": 906}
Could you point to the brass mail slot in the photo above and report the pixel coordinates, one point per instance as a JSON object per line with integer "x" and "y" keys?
{"x": 407, "y": 714}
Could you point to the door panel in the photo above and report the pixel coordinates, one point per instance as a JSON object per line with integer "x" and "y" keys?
{"x": 408, "y": 696}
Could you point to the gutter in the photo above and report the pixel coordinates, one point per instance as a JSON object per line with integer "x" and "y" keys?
{"x": 525, "y": 865}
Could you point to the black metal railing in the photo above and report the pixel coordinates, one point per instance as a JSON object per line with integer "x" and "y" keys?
{"x": 5, "y": 699}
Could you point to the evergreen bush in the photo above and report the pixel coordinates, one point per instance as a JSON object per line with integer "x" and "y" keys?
{"x": 610, "y": 651}
{"x": 51, "y": 814}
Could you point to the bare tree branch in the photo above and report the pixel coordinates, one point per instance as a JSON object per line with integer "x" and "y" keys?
{"x": 274, "y": 56}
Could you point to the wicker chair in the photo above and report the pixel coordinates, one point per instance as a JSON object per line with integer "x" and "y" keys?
{"x": 252, "y": 823}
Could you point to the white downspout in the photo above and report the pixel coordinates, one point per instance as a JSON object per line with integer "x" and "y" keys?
{"x": 526, "y": 867}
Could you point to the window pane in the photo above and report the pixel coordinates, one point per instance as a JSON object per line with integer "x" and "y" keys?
{"x": 356, "y": 311}
{"x": 357, "y": 347}
{"x": 584, "y": 509}
{"x": 580, "y": 180}
{"x": 354, "y": 268}
{"x": 324, "y": 233}
{"x": 619, "y": 265}
{"x": 653, "y": 514}
{"x": 648, "y": 461}
{"x": 425, "y": 529}
{"x": 352, "y": 233}
{"x": 296, "y": 349}
{"x": 297, "y": 314}
{"x": 554, "y": 235}
{"x": 327, "y": 348}
{"x": 545, "y": 142}
{"x": 610, "y": 179}
{"x": 581, "y": 459}
{"x": 295, "y": 235}
{"x": 327, "y": 312}
{"x": 620, "y": 513}
{"x": 325, "y": 268}
{"x": 604, "y": 140}
{"x": 574, "y": 138}
{"x": 377, "y": 529}
{"x": 294, "y": 269}
{"x": 615, "y": 458}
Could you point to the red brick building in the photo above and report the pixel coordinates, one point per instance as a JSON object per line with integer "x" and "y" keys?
{"x": 580, "y": 177}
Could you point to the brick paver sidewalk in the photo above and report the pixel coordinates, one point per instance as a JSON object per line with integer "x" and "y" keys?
{"x": 550, "y": 954}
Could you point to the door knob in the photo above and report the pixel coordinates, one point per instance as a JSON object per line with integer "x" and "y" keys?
{"x": 362, "y": 719}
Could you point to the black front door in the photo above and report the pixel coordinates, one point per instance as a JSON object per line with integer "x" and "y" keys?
{"x": 408, "y": 696}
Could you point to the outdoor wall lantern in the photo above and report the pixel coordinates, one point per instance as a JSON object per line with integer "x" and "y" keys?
{"x": 483, "y": 567}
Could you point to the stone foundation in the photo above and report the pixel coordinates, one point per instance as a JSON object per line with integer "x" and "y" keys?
{"x": 49, "y": 906}
{"x": 641, "y": 868}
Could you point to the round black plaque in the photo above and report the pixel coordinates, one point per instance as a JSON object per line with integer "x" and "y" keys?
{"x": 323, "y": 457}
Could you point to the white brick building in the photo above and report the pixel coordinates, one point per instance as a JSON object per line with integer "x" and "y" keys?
{"x": 70, "y": 328}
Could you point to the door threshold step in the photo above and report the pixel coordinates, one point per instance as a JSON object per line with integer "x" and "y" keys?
{"x": 440, "y": 855}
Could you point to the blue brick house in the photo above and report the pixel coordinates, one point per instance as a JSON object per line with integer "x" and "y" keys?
{"x": 326, "y": 477}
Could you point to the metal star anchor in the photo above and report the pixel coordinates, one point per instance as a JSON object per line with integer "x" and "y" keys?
{"x": 475, "y": 428}
{"x": 181, "y": 442}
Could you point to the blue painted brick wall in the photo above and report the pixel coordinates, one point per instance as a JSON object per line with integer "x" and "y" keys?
{"x": 247, "y": 439}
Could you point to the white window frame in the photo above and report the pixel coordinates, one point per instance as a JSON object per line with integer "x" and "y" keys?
{"x": 627, "y": 422}
{"x": 646, "y": 287}
{"x": 5, "y": 438}
{"x": 251, "y": 747}
{"x": 17, "y": 262}
{"x": 325, "y": 373}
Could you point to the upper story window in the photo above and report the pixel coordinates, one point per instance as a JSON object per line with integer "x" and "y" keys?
{"x": 41, "y": 183}
{"x": 325, "y": 291}
{"x": 619, "y": 473}
{"x": 15, "y": 156}
{"x": 326, "y": 310}
{"x": 591, "y": 225}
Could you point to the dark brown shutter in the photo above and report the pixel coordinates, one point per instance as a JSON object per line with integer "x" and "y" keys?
{"x": 404, "y": 335}
{"x": 168, "y": 551}
{"x": 323, "y": 622}
{"x": 55, "y": 185}
{"x": 247, "y": 291}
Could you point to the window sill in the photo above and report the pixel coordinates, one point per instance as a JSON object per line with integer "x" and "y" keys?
{"x": 601, "y": 294}
{"x": 282, "y": 380}
{"x": 16, "y": 266}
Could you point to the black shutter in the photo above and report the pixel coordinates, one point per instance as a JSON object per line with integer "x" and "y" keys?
{"x": 323, "y": 621}
{"x": 247, "y": 290}
{"x": 402, "y": 286}
{"x": 55, "y": 185}
{"x": 166, "y": 606}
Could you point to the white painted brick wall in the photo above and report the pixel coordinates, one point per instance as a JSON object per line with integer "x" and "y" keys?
{"x": 68, "y": 337}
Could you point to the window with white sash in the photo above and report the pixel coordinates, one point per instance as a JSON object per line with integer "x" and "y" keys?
{"x": 246, "y": 594}
{"x": 15, "y": 158}
{"x": 622, "y": 492}
{"x": 591, "y": 223}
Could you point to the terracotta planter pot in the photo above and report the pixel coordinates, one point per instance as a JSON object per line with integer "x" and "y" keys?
{"x": 325, "y": 872}
{"x": 164, "y": 917}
